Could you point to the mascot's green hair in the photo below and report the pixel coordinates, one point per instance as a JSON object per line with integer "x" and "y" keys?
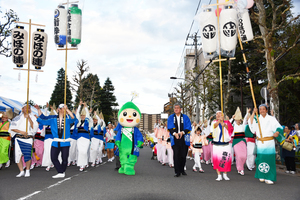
{"x": 129, "y": 105}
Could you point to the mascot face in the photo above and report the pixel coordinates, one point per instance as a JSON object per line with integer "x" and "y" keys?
{"x": 129, "y": 118}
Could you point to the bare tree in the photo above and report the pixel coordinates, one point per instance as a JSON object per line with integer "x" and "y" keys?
{"x": 5, "y": 31}
{"x": 78, "y": 78}
{"x": 272, "y": 20}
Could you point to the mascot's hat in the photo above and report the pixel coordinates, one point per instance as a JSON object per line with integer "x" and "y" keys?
{"x": 129, "y": 105}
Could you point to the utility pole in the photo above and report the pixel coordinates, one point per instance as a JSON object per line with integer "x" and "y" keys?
{"x": 195, "y": 43}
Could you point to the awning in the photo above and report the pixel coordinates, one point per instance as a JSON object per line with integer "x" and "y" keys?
{"x": 15, "y": 105}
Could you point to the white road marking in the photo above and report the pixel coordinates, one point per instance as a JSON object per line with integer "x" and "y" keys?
{"x": 30, "y": 195}
{"x": 53, "y": 185}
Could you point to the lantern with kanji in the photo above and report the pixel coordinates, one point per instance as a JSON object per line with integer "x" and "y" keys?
{"x": 19, "y": 46}
{"x": 208, "y": 24}
{"x": 74, "y": 25}
{"x": 228, "y": 28}
{"x": 39, "y": 48}
{"x": 244, "y": 26}
{"x": 60, "y": 26}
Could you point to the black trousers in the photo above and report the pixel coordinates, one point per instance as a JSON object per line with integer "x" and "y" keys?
{"x": 180, "y": 151}
{"x": 118, "y": 164}
{"x": 60, "y": 167}
{"x": 290, "y": 163}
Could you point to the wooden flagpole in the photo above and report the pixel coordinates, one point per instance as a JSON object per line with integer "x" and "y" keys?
{"x": 250, "y": 81}
{"x": 66, "y": 67}
{"x": 220, "y": 66}
{"x": 28, "y": 70}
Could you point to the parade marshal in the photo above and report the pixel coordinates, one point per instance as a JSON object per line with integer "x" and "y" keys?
{"x": 179, "y": 126}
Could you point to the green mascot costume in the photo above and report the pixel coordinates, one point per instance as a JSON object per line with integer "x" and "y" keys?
{"x": 129, "y": 139}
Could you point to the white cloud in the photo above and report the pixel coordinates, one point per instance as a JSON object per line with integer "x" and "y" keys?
{"x": 136, "y": 43}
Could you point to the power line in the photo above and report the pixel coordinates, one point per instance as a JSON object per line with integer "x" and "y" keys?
{"x": 182, "y": 54}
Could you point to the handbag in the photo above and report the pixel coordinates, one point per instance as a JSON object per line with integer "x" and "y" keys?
{"x": 287, "y": 146}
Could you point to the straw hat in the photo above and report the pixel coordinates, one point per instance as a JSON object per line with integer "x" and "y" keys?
{"x": 101, "y": 116}
{"x": 238, "y": 114}
{"x": 83, "y": 111}
{"x": 9, "y": 114}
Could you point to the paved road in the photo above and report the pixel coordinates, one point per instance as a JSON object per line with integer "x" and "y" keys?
{"x": 152, "y": 181}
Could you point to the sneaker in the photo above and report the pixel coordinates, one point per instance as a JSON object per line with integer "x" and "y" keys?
{"x": 74, "y": 162}
{"x": 86, "y": 166}
{"x": 37, "y": 165}
{"x": 292, "y": 172}
{"x": 262, "y": 180}
{"x": 27, "y": 174}
{"x": 194, "y": 170}
{"x": 59, "y": 175}
{"x": 97, "y": 162}
{"x": 269, "y": 182}
{"x": 48, "y": 169}
{"x": 52, "y": 166}
{"x": 22, "y": 173}
{"x": 69, "y": 163}
{"x": 207, "y": 162}
{"x": 93, "y": 165}
{"x": 241, "y": 172}
{"x": 163, "y": 164}
{"x": 184, "y": 168}
{"x": 219, "y": 178}
{"x": 81, "y": 168}
{"x": 112, "y": 158}
{"x": 32, "y": 166}
{"x": 201, "y": 171}
{"x": 226, "y": 177}
{"x": 287, "y": 172}
{"x": 7, "y": 164}
{"x": 202, "y": 161}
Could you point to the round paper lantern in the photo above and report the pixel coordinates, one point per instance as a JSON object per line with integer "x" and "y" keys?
{"x": 228, "y": 28}
{"x": 244, "y": 27}
{"x": 250, "y": 3}
{"x": 19, "y": 46}
{"x": 208, "y": 24}
{"x": 74, "y": 25}
{"x": 220, "y": 9}
{"x": 39, "y": 48}
{"x": 242, "y": 4}
{"x": 60, "y": 26}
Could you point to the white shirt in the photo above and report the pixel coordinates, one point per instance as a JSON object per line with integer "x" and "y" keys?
{"x": 178, "y": 122}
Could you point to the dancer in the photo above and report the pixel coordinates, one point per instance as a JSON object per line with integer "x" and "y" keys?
{"x": 197, "y": 143}
{"x": 221, "y": 132}
{"x": 24, "y": 138}
{"x": 266, "y": 154}
{"x": 61, "y": 143}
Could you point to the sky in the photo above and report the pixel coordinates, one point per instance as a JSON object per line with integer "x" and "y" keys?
{"x": 138, "y": 44}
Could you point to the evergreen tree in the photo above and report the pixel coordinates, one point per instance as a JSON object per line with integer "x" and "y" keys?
{"x": 108, "y": 100}
{"x": 57, "y": 96}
